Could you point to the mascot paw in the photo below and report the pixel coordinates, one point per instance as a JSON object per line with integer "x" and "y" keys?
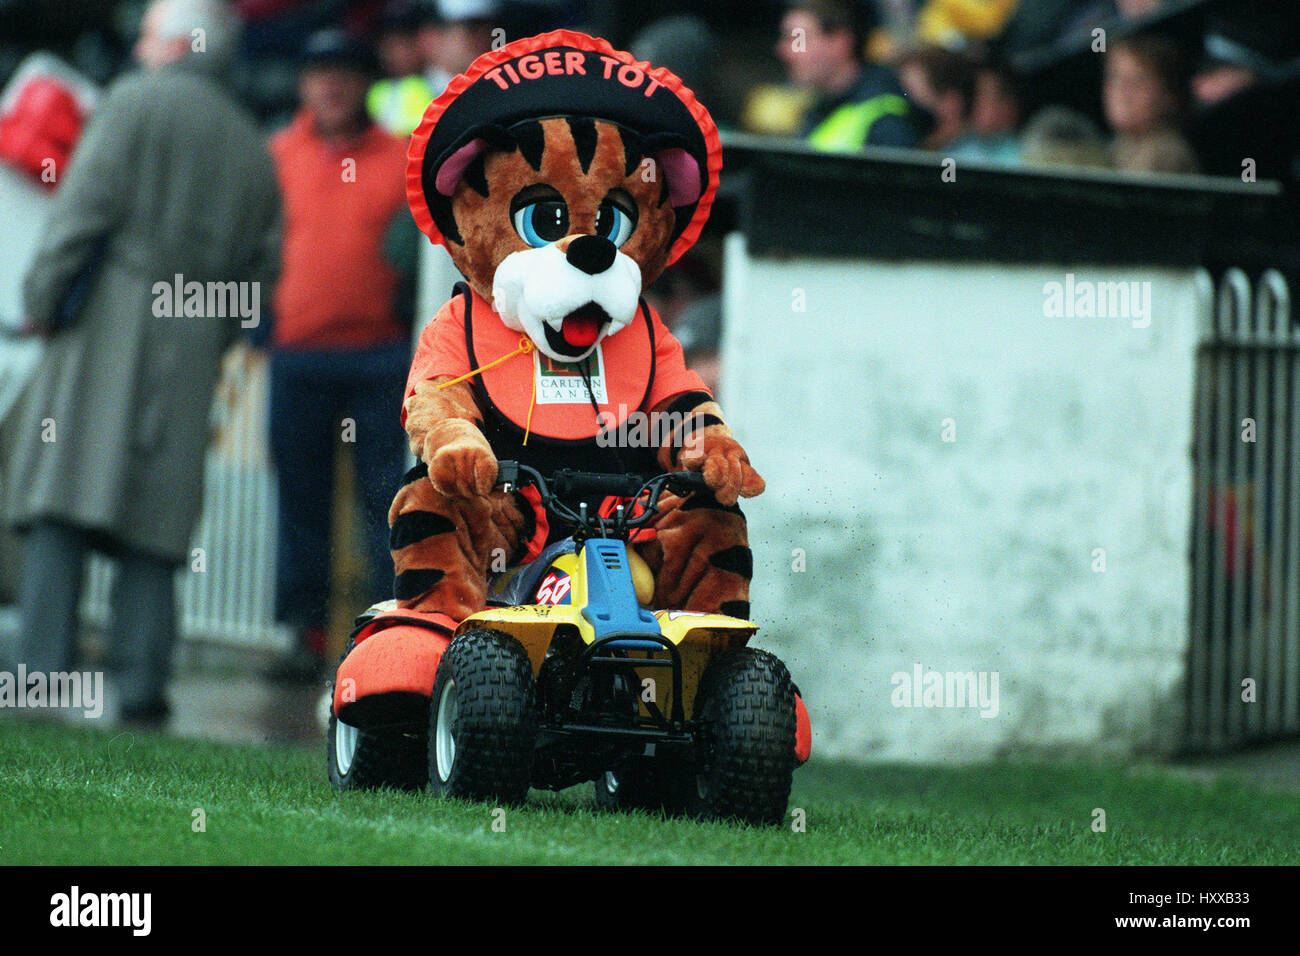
{"x": 463, "y": 470}
{"x": 726, "y": 469}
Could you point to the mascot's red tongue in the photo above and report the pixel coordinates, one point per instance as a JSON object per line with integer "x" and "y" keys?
{"x": 580, "y": 328}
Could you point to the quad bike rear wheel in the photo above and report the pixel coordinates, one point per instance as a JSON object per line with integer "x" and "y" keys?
{"x": 370, "y": 759}
{"x": 745, "y": 726}
{"x": 482, "y": 722}
{"x": 366, "y": 760}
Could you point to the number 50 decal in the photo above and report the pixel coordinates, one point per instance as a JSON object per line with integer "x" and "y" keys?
{"x": 554, "y": 589}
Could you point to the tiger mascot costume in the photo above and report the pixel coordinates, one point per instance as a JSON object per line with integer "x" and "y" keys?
{"x": 562, "y": 176}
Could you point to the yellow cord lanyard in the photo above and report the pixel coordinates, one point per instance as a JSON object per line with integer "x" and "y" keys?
{"x": 526, "y": 347}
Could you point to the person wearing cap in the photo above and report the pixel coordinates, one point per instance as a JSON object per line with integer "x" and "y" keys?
{"x": 338, "y": 342}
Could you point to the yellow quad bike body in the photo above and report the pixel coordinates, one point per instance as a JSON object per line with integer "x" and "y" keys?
{"x": 569, "y": 675}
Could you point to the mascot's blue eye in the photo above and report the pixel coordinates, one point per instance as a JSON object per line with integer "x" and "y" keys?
{"x": 539, "y": 223}
{"x": 614, "y": 224}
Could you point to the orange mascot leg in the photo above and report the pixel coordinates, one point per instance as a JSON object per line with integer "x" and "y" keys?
{"x": 442, "y": 547}
{"x": 700, "y": 556}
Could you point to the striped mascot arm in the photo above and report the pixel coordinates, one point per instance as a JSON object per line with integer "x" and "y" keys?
{"x": 696, "y": 438}
{"x": 443, "y": 425}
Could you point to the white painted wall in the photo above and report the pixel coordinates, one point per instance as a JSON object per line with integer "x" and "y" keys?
{"x": 438, "y": 276}
{"x": 977, "y": 554}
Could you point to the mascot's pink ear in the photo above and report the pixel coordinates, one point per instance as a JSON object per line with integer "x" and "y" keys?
{"x": 453, "y": 167}
{"x": 683, "y": 172}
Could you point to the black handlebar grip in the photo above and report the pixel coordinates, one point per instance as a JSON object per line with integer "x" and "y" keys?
{"x": 687, "y": 481}
{"x": 566, "y": 483}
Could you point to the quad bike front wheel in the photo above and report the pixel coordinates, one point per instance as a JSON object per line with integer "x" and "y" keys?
{"x": 745, "y": 720}
{"x": 482, "y": 723}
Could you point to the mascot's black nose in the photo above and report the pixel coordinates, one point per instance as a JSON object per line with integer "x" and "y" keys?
{"x": 592, "y": 254}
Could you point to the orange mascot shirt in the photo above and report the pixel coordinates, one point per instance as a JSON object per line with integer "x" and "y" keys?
{"x": 534, "y": 406}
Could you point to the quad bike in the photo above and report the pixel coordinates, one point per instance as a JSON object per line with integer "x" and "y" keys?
{"x": 568, "y": 676}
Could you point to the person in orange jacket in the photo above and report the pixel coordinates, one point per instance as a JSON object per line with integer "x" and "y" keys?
{"x": 339, "y": 343}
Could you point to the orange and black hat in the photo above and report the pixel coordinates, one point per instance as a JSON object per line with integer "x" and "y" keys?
{"x": 564, "y": 73}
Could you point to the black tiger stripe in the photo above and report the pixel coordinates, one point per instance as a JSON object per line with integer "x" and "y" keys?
{"x": 421, "y": 470}
{"x": 632, "y": 152}
{"x": 692, "y": 424}
{"x": 475, "y": 175}
{"x": 412, "y": 526}
{"x": 583, "y": 130}
{"x": 735, "y": 609}
{"x": 681, "y": 405}
{"x": 696, "y": 422}
{"x": 684, "y": 402}
{"x": 738, "y": 559}
{"x": 531, "y": 140}
{"x": 411, "y": 584}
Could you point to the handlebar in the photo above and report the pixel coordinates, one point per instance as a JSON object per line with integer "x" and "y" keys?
{"x": 568, "y": 483}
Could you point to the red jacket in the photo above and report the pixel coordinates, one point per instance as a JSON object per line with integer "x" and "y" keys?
{"x": 336, "y": 290}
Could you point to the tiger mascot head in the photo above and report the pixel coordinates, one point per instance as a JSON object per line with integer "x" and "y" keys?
{"x": 563, "y": 176}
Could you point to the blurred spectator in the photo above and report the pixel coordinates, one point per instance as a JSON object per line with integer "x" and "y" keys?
{"x": 994, "y": 117}
{"x": 171, "y": 182}
{"x": 462, "y": 31}
{"x": 1058, "y": 136}
{"x": 1036, "y": 24}
{"x": 430, "y": 37}
{"x": 1246, "y": 90}
{"x": 398, "y": 101}
{"x": 1242, "y": 50}
{"x": 941, "y": 82}
{"x": 339, "y": 349}
{"x": 1137, "y": 9}
{"x": 688, "y": 299}
{"x": 1144, "y": 92}
{"x": 398, "y": 38}
{"x": 685, "y": 45}
{"x": 859, "y": 104}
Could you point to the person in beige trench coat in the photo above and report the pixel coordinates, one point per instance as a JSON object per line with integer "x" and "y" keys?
{"x": 171, "y": 183}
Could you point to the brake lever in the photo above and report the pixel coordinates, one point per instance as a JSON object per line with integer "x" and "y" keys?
{"x": 507, "y": 475}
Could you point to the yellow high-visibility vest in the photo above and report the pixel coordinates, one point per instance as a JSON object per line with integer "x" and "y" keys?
{"x": 847, "y": 128}
{"x": 398, "y": 104}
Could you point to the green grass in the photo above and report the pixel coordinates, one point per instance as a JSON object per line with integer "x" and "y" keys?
{"x": 80, "y": 797}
